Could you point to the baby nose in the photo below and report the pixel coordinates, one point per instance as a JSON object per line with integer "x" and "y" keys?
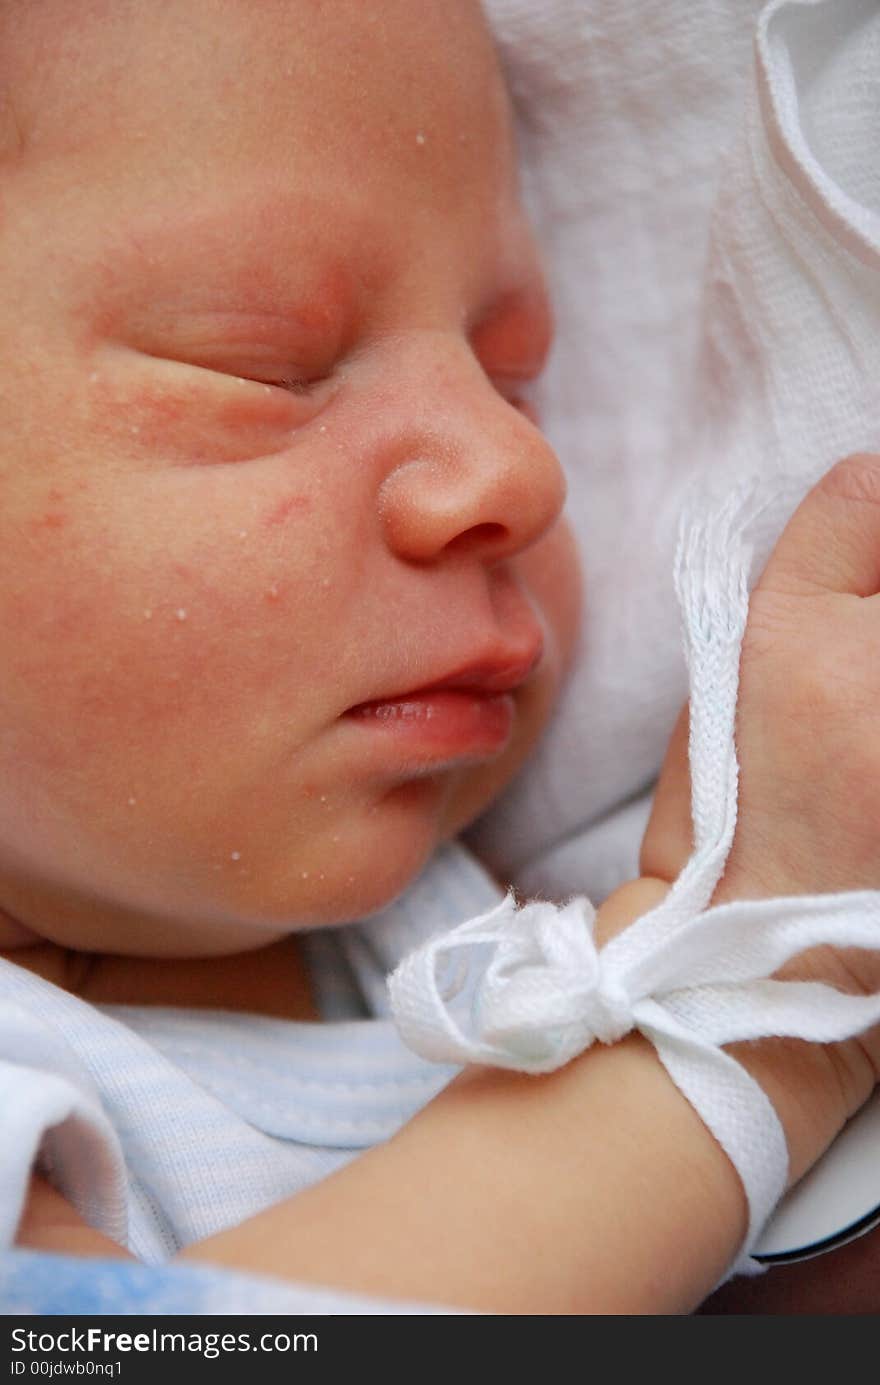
{"x": 478, "y": 478}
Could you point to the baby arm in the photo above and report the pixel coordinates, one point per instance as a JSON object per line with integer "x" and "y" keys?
{"x": 514, "y": 1194}
{"x": 559, "y": 1219}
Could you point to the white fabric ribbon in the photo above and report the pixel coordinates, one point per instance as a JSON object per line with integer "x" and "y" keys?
{"x": 527, "y": 988}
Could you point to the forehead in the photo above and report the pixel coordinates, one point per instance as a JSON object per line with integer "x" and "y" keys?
{"x": 187, "y": 122}
{"x": 196, "y": 78}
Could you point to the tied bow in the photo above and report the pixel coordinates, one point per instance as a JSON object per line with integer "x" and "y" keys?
{"x": 532, "y": 990}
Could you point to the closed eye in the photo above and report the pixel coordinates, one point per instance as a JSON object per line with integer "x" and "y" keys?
{"x": 246, "y": 368}
{"x": 295, "y": 384}
{"x": 211, "y": 411}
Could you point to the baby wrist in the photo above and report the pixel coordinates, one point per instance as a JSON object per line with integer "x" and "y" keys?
{"x": 813, "y": 1088}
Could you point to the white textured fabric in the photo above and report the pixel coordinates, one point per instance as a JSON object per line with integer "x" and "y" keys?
{"x": 164, "y": 1125}
{"x": 706, "y": 192}
{"x": 689, "y": 977}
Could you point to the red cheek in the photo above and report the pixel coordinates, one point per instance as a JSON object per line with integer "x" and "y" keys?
{"x": 145, "y": 417}
{"x": 53, "y": 517}
{"x": 264, "y": 407}
{"x": 195, "y": 420}
{"x": 281, "y": 513}
{"x": 155, "y": 408}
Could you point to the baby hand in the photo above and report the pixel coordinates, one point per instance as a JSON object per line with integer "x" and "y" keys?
{"x": 807, "y": 736}
{"x": 808, "y": 712}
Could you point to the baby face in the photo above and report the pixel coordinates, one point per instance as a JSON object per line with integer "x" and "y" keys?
{"x": 267, "y": 306}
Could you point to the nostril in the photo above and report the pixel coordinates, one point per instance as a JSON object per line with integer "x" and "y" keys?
{"x": 479, "y": 536}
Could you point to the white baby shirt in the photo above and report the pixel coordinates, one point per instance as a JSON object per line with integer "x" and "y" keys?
{"x": 166, "y": 1125}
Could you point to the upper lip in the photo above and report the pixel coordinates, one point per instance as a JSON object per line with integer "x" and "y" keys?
{"x": 499, "y": 671}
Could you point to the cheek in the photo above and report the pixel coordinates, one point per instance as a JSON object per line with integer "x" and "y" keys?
{"x": 552, "y": 571}
{"x": 184, "y": 615}
{"x": 187, "y": 421}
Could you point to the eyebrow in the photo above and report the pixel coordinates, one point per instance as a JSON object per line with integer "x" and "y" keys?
{"x": 252, "y": 263}
{"x": 265, "y": 216}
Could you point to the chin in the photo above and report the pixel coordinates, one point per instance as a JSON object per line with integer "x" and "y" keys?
{"x": 350, "y": 885}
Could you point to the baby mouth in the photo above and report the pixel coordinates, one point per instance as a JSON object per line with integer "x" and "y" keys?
{"x": 444, "y": 722}
{"x": 478, "y": 678}
{"x": 469, "y": 711}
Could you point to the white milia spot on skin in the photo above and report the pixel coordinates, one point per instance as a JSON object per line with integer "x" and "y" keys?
{"x": 132, "y": 802}
{"x": 135, "y": 428}
{"x": 181, "y": 613}
{"x": 242, "y": 533}
{"x": 323, "y": 428}
{"x": 148, "y": 614}
{"x": 305, "y": 875}
{"x": 325, "y": 582}
{"x": 420, "y": 138}
{"x": 235, "y": 855}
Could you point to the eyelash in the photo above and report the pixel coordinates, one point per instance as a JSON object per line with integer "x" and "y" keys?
{"x": 301, "y": 387}
{"x": 294, "y": 385}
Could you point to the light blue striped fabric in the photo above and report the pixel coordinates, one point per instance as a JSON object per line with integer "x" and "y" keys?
{"x": 59, "y": 1285}
{"x": 176, "y": 1123}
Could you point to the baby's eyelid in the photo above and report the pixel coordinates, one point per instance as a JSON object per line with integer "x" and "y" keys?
{"x": 279, "y": 375}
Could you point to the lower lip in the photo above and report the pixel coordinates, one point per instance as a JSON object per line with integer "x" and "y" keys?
{"x": 449, "y": 722}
